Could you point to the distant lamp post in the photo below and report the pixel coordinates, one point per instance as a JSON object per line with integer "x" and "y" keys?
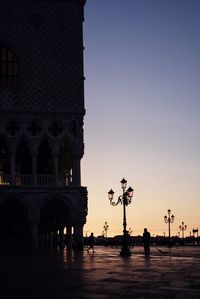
{"x": 195, "y": 231}
{"x": 125, "y": 200}
{"x": 106, "y": 226}
{"x": 169, "y": 219}
{"x": 182, "y": 228}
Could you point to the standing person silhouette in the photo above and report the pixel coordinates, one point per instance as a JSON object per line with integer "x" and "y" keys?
{"x": 146, "y": 242}
{"x": 91, "y": 242}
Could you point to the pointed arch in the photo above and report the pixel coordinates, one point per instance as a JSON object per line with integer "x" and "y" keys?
{"x": 45, "y": 159}
{"x": 65, "y": 161}
{"x": 23, "y": 157}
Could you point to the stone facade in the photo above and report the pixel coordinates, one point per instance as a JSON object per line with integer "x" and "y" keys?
{"x": 41, "y": 122}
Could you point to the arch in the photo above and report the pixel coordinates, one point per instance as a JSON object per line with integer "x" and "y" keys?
{"x": 9, "y": 68}
{"x": 65, "y": 161}
{"x": 60, "y": 198}
{"x": 23, "y": 160}
{"x": 44, "y": 159}
{"x": 55, "y": 214}
{"x": 14, "y": 225}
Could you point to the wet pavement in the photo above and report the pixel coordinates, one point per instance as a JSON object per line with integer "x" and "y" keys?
{"x": 168, "y": 273}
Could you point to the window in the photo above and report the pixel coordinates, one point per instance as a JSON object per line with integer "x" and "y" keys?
{"x": 8, "y": 69}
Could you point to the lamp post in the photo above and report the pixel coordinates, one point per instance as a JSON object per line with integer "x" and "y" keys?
{"x": 125, "y": 200}
{"x": 169, "y": 219}
{"x": 106, "y": 226}
{"x": 182, "y": 228}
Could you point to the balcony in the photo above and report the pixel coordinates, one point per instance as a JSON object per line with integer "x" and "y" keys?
{"x": 38, "y": 180}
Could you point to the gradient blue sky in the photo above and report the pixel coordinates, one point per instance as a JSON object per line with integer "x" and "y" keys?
{"x": 142, "y": 69}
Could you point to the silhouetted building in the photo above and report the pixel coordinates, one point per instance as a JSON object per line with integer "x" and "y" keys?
{"x": 41, "y": 122}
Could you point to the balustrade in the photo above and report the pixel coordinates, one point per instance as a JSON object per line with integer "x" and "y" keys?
{"x": 41, "y": 180}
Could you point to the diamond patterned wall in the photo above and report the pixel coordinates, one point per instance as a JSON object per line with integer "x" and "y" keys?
{"x": 46, "y": 37}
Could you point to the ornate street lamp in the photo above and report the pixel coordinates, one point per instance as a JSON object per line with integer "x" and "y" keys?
{"x": 106, "y": 226}
{"x": 182, "y": 228}
{"x": 169, "y": 219}
{"x": 125, "y": 200}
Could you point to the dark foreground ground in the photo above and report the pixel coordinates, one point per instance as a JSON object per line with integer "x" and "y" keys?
{"x": 104, "y": 274}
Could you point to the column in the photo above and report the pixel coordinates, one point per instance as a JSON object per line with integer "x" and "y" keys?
{"x": 78, "y": 237}
{"x": 61, "y": 237}
{"x": 69, "y": 237}
{"x": 12, "y": 154}
{"x": 55, "y": 164}
{"x": 76, "y": 171}
{"x": 34, "y": 234}
{"x": 49, "y": 239}
{"x": 34, "y": 154}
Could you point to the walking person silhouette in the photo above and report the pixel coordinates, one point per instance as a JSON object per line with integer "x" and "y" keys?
{"x": 91, "y": 242}
{"x": 146, "y": 242}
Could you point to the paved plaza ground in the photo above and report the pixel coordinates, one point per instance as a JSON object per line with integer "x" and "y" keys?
{"x": 104, "y": 274}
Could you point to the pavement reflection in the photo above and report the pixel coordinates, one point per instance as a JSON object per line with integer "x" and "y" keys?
{"x": 103, "y": 274}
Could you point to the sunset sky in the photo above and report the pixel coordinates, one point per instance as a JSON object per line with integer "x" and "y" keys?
{"x": 142, "y": 89}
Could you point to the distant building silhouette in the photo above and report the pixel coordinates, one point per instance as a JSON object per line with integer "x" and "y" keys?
{"x": 41, "y": 123}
